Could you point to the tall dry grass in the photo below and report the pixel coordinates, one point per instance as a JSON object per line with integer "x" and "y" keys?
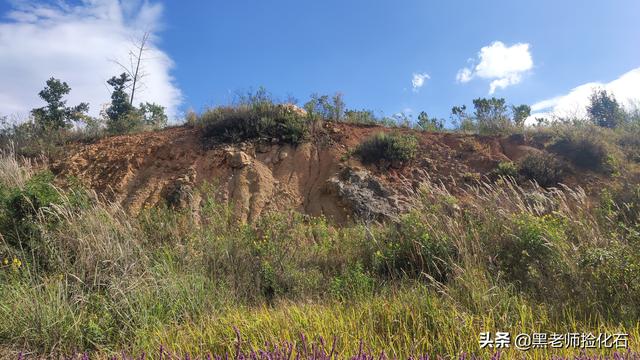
{"x": 14, "y": 170}
{"x": 497, "y": 257}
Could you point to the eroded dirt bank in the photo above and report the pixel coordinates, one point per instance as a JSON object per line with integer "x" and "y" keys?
{"x": 317, "y": 177}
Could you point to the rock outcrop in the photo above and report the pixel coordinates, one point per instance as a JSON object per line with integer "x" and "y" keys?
{"x": 366, "y": 196}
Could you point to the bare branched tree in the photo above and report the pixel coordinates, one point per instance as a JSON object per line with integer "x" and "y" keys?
{"x": 135, "y": 68}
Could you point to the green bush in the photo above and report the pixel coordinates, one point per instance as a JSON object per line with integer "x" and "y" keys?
{"x": 364, "y": 117}
{"x": 620, "y": 206}
{"x": 390, "y": 147}
{"x": 531, "y": 253}
{"x": 585, "y": 148}
{"x": 427, "y": 123}
{"x": 264, "y": 120}
{"x": 23, "y": 214}
{"x": 325, "y": 107}
{"x": 612, "y": 276}
{"x": 256, "y": 116}
{"x": 629, "y": 142}
{"x": 543, "y": 168}
{"x": 354, "y": 283}
{"x": 21, "y": 206}
{"x": 506, "y": 169}
{"x": 411, "y": 249}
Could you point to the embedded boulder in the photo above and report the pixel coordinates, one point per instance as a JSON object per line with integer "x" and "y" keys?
{"x": 238, "y": 159}
{"x": 366, "y": 196}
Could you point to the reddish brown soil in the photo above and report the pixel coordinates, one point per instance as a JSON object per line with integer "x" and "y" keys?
{"x": 139, "y": 170}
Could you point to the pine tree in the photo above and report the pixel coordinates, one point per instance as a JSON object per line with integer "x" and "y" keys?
{"x": 56, "y": 115}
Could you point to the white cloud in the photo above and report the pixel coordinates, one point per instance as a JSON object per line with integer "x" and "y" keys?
{"x": 418, "y": 80}
{"x": 503, "y": 65}
{"x": 625, "y": 88}
{"x": 464, "y": 75}
{"x": 77, "y": 43}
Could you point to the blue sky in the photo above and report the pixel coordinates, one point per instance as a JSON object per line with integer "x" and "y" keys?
{"x": 205, "y": 51}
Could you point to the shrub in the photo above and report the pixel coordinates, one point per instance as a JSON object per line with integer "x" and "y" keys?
{"x": 427, "y": 123}
{"x": 390, "y": 147}
{"x": 613, "y": 278}
{"x": 29, "y": 139}
{"x": 584, "y": 148}
{"x": 491, "y": 116}
{"x": 326, "y": 108}
{"x": 621, "y": 205}
{"x": 263, "y": 120}
{"x": 353, "y": 283}
{"x": 604, "y": 110}
{"x": 506, "y": 169}
{"x": 365, "y": 117}
{"x": 629, "y": 142}
{"x": 544, "y": 168}
{"x": 411, "y": 249}
{"x": 26, "y": 212}
{"x": 531, "y": 254}
{"x": 37, "y": 193}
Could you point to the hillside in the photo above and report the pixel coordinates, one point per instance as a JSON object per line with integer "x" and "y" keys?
{"x": 427, "y": 239}
{"x": 319, "y": 177}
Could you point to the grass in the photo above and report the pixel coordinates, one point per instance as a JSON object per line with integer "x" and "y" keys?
{"x": 14, "y": 171}
{"x": 114, "y": 283}
{"x": 84, "y": 275}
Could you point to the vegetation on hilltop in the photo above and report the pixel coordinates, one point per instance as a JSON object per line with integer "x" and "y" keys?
{"x": 393, "y": 147}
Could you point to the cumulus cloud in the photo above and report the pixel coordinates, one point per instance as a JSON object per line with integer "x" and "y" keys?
{"x": 77, "y": 44}
{"x": 464, "y": 75}
{"x": 418, "y": 80}
{"x": 625, "y": 88}
{"x": 503, "y": 65}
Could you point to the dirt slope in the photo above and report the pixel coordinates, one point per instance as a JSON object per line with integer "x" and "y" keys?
{"x": 317, "y": 177}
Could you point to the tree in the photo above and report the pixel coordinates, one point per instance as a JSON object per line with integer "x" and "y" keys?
{"x": 429, "y": 124}
{"x": 153, "y": 115}
{"x": 360, "y": 117}
{"x": 461, "y": 119}
{"x": 325, "y": 107}
{"x": 135, "y": 69}
{"x": 338, "y": 106}
{"x": 520, "y": 114}
{"x": 491, "y": 115}
{"x": 56, "y": 115}
{"x": 121, "y": 115}
{"x": 604, "y": 110}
